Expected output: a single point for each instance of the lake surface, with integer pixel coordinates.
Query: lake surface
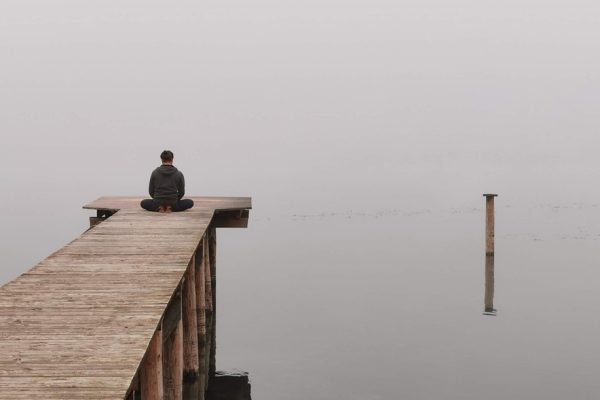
(388, 304)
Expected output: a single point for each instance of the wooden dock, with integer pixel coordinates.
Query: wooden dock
(122, 312)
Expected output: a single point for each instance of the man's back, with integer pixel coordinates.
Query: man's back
(167, 183)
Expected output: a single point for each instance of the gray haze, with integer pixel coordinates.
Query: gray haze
(395, 116)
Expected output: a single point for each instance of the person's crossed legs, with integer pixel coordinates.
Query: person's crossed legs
(176, 206)
(183, 204)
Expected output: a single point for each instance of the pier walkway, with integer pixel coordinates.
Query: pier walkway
(120, 312)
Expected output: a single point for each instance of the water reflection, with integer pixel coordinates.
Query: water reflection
(489, 286)
(228, 386)
(489, 254)
(212, 384)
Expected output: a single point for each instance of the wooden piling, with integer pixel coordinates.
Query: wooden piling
(205, 356)
(212, 255)
(172, 330)
(191, 366)
(203, 380)
(200, 288)
(151, 377)
(212, 258)
(173, 364)
(489, 224)
(207, 274)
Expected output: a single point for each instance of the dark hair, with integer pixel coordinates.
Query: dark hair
(166, 155)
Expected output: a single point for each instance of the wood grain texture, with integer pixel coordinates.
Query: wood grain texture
(151, 379)
(79, 324)
(207, 274)
(489, 225)
(190, 327)
(173, 364)
(212, 260)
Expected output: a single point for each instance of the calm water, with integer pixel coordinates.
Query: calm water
(385, 304)
(388, 304)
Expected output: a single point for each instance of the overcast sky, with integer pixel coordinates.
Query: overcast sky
(305, 105)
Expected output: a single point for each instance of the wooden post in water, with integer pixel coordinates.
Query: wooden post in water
(201, 318)
(151, 377)
(190, 334)
(212, 260)
(172, 331)
(207, 275)
(489, 224)
(210, 315)
(489, 254)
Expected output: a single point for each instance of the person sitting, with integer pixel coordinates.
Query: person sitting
(167, 187)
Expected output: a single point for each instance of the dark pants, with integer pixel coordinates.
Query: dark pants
(176, 205)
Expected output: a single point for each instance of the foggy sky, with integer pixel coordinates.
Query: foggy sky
(304, 105)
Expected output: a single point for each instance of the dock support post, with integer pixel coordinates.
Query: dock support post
(208, 306)
(151, 377)
(200, 288)
(207, 274)
(172, 328)
(489, 254)
(190, 331)
(212, 259)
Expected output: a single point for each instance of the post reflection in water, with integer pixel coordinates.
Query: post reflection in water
(219, 385)
(228, 386)
(489, 254)
(212, 384)
(489, 286)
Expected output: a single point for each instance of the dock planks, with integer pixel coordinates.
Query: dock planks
(77, 325)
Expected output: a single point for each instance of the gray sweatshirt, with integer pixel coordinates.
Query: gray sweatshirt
(167, 183)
